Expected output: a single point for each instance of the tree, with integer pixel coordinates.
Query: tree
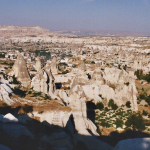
(100, 105)
(128, 103)
(111, 101)
(119, 123)
(112, 104)
(135, 121)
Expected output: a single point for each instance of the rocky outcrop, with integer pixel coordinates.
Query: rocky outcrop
(123, 85)
(51, 80)
(92, 143)
(134, 144)
(20, 71)
(112, 84)
(54, 66)
(11, 126)
(44, 80)
(38, 64)
(9, 118)
(5, 92)
(39, 82)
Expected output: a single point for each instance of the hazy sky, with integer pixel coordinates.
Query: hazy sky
(126, 15)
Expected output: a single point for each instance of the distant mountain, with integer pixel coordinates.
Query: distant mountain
(19, 31)
(102, 33)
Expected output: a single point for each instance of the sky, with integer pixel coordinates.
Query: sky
(118, 15)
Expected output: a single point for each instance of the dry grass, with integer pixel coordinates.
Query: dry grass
(106, 131)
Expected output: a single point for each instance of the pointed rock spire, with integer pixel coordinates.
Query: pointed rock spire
(20, 71)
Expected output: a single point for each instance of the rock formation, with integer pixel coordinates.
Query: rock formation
(44, 80)
(134, 144)
(38, 64)
(20, 71)
(51, 83)
(5, 92)
(54, 67)
(113, 84)
(39, 82)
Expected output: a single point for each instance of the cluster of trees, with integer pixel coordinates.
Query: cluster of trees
(134, 120)
(42, 53)
(145, 97)
(141, 76)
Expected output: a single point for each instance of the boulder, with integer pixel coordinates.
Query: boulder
(133, 144)
(9, 118)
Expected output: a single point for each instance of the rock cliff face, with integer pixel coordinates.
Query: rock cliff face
(20, 71)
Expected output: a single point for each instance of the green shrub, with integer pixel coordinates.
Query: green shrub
(100, 96)
(92, 62)
(36, 94)
(65, 72)
(4, 105)
(30, 92)
(119, 123)
(111, 101)
(105, 124)
(100, 105)
(14, 80)
(106, 109)
(46, 97)
(114, 106)
(142, 96)
(26, 108)
(127, 83)
(125, 67)
(128, 103)
(119, 113)
(145, 97)
(135, 121)
(140, 75)
(145, 113)
(119, 66)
